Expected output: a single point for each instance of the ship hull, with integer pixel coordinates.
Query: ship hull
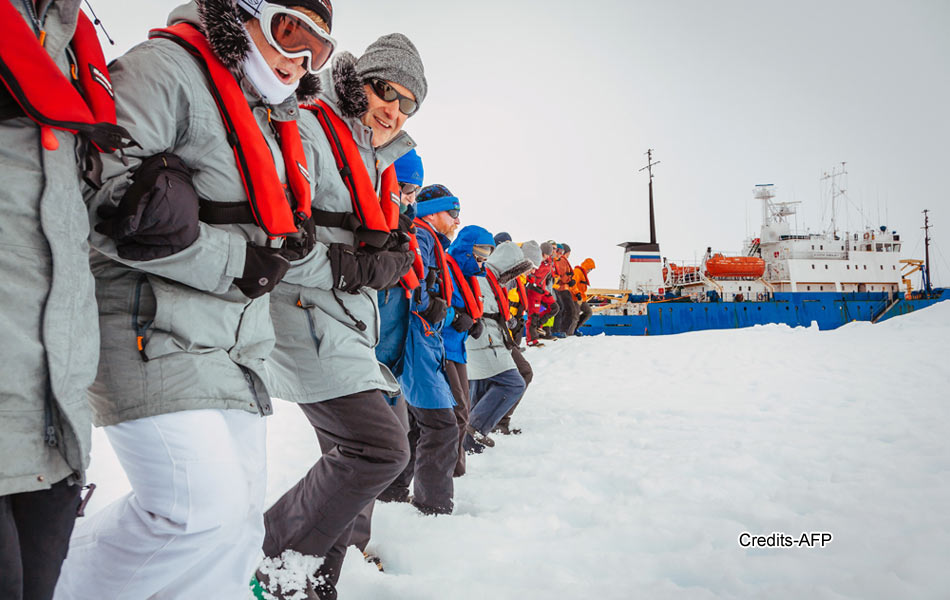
(829, 310)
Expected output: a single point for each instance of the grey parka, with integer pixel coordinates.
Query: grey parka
(204, 342)
(321, 353)
(50, 337)
(487, 355)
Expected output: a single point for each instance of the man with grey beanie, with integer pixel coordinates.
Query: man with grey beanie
(325, 311)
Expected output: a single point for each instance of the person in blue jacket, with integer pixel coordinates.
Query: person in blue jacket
(433, 433)
(470, 250)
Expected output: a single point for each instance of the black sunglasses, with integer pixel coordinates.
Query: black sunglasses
(409, 188)
(388, 93)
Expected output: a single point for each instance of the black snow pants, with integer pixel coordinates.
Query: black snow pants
(34, 537)
(457, 374)
(364, 448)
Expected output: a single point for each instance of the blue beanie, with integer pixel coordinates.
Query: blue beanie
(435, 198)
(502, 236)
(409, 168)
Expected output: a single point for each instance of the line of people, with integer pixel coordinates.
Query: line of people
(223, 216)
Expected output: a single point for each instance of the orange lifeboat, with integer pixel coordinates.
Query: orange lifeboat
(734, 266)
(678, 271)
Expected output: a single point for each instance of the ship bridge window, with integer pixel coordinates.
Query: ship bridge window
(813, 266)
(826, 267)
(865, 267)
(849, 267)
(822, 247)
(882, 267)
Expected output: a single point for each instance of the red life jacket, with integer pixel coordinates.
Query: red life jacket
(84, 106)
(522, 295)
(269, 206)
(374, 217)
(441, 258)
(501, 297)
(473, 302)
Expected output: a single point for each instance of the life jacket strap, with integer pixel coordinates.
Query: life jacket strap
(350, 222)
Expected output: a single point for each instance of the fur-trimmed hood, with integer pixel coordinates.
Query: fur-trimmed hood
(222, 25)
(507, 262)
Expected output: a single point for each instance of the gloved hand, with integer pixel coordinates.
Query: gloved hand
(476, 329)
(353, 268)
(578, 297)
(535, 287)
(572, 282)
(513, 324)
(263, 269)
(436, 310)
(298, 246)
(158, 215)
(462, 321)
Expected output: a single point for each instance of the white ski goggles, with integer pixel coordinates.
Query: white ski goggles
(294, 34)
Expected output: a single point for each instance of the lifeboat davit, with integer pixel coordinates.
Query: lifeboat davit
(734, 266)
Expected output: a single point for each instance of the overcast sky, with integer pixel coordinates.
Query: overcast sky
(539, 113)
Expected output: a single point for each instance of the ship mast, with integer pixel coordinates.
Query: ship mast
(926, 228)
(835, 192)
(649, 169)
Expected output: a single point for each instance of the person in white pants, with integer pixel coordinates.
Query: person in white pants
(188, 246)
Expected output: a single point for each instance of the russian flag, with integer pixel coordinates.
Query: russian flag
(645, 259)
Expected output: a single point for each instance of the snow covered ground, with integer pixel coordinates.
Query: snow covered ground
(643, 460)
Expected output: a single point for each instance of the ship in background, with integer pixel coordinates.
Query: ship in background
(781, 276)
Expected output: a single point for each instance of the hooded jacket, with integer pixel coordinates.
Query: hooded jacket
(562, 273)
(203, 342)
(322, 352)
(488, 356)
(461, 251)
(50, 343)
(423, 378)
(581, 281)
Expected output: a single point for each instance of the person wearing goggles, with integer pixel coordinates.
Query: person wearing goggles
(183, 406)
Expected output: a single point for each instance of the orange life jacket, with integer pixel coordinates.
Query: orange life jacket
(267, 198)
(473, 302)
(504, 308)
(374, 217)
(84, 105)
(441, 258)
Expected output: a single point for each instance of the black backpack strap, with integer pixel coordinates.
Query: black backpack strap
(349, 222)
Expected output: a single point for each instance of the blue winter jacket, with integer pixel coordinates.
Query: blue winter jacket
(393, 321)
(461, 251)
(423, 380)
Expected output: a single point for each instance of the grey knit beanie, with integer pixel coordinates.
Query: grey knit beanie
(394, 58)
(547, 248)
(532, 252)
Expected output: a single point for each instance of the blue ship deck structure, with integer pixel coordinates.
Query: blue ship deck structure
(829, 310)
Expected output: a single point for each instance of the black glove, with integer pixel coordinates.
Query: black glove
(578, 297)
(512, 324)
(436, 311)
(405, 223)
(431, 277)
(462, 321)
(300, 244)
(263, 269)
(158, 215)
(572, 282)
(354, 268)
(476, 329)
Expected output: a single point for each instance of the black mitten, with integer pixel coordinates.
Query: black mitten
(476, 329)
(462, 321)
(436, 310)
(263, 269)
(158, 215)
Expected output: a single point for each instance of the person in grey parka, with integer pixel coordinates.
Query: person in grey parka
(185, 319)
(326, 316)
(49, 351)
(494, 379)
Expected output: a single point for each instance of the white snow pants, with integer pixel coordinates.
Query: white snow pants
(192, 527)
